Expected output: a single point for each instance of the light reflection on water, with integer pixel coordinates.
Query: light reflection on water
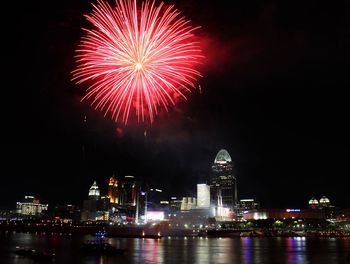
(244, 250)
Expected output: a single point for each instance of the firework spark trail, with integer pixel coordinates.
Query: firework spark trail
(136, 59)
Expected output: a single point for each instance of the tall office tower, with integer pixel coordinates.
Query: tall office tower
(223, 182)
(91, 205)
(203, 196)
(129, 191)
(113, 192)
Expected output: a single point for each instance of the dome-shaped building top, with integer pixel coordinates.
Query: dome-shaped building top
(222, 157)
(313, 203)
(324, 201)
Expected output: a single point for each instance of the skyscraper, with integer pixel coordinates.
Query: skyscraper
(223, 182)
(113, 190)
(93, 208)
(129, 191)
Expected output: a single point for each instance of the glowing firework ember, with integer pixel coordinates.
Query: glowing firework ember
(137, 60)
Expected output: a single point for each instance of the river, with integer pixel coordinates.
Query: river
(181, 250)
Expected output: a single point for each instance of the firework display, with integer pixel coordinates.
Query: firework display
(137, 59)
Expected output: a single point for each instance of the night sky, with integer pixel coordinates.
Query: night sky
(274, 94)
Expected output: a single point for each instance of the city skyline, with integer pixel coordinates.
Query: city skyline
(273, 95)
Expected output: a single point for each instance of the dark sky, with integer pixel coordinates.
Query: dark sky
(274, 94)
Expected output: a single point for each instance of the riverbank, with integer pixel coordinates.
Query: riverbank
(272, 233)
(156, 231)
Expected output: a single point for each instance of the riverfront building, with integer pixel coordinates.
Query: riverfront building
(31, 206)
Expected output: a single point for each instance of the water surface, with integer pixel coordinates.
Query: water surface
(183, 250)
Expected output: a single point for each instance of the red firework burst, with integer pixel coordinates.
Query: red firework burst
(137, 59)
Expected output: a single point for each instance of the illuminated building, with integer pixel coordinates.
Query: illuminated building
(188, 203)
(324, 202)
(203, 196)
(323, 205)
(175, 204)
(113, 190)
(313, 203)
(248, 204)
(30, 207)
(328, 210)
(198, 217)
(129, 196)
(95, 207)
(155, 215)
(103, 209)
(223, 182)
(94, 192)
(129, 191)
(289, 213)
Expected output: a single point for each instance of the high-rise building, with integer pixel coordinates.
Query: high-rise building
(129, 191)
(203, 195)
(129, 196)
(95, 207)
(113, 192)
(223, 181)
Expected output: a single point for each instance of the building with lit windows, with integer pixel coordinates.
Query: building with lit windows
(188, 203)
(289, 213)
(175, 204)
(129, 198)
(223, 181)
(248, 204)
(324, 202)
(129, 191)
(94, 192)
(113, 193)
(313, 203)
(203, 195)
(31, 206)
(95, 208)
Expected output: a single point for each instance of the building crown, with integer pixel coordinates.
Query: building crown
(222, 157)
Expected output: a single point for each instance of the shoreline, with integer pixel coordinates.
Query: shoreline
(156, 233)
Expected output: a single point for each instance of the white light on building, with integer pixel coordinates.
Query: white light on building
(203, 196)
(223, 211)
(260, 215)
(94, 190)
(188, 203)
(31, 206)
(155, 215)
